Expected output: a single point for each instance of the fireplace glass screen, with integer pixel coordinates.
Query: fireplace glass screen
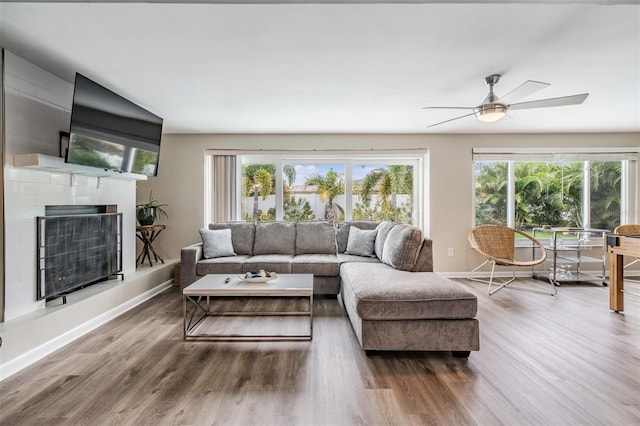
(76, 251)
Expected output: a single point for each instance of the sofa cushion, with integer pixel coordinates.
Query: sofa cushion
(316, 264)
(279, 263)
(383, 293)
(383, 229)
(402, 246)
(361, 242)
(275, 238)
(216, 243)
(315, 238)
(242, 234)
(221, 265)
(342, 234)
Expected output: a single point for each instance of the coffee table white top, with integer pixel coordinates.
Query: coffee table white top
(284, 285)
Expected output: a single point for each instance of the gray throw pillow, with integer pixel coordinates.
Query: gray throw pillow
(342, 233)
(402, 246)
(216, 243)
(383, 231)
(361, 242)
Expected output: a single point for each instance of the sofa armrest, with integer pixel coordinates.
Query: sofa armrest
(189, 257)
(424, 262)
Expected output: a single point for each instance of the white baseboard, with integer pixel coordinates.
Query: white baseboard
(498, 274)
(13, 366)
(521, 274)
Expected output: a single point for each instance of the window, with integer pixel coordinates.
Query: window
(605, 187)
(298, 188)
(491, 192)
(569, 189)
(258, 192)
(317, 191)
(383, 192)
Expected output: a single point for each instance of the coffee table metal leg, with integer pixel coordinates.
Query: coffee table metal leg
(311, 317)
(190, 323)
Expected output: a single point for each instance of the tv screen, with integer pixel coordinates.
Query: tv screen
(110, 132)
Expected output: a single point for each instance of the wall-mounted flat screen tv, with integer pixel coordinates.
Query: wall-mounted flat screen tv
(110, 132)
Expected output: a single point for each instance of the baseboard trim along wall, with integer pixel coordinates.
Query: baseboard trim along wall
(54, 330)
(524, 273)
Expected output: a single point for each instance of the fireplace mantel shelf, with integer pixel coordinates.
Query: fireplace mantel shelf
(57, 165)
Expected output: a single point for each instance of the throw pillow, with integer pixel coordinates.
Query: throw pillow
(383, 231)
(361, 242)
(342, 233)
(402, 246)
(216, 243)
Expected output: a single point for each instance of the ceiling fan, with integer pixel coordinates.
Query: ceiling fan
(493, 108)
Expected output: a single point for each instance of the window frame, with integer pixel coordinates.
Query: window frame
(630, 158)
(418, 159)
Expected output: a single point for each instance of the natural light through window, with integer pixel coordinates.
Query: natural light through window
(302, 188)
(562, 192)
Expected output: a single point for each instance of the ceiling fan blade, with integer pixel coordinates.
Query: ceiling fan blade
(451, 119)
(551, 102)
(436, 107)
(525, 89)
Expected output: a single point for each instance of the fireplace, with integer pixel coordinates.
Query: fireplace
(77, 245)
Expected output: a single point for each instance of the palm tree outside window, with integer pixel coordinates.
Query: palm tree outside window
(331, 190)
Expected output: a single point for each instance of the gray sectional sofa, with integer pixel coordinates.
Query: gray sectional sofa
(382, 272)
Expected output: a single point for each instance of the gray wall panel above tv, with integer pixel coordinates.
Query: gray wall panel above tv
(37, 108)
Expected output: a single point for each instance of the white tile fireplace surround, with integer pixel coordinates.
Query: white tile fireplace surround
(27, 193)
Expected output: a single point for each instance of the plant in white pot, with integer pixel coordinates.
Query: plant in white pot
(148, 212)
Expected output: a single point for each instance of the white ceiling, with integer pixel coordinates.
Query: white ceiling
(342, 68)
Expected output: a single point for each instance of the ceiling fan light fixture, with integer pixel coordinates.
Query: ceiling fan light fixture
(489, 113)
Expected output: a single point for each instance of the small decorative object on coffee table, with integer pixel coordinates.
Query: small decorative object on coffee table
(198, 295)
(260, 276)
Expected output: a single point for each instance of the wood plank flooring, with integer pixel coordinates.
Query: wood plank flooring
(564, 360)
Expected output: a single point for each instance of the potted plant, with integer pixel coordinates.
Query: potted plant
(147, 213)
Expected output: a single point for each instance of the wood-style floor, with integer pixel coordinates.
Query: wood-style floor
(564, 360)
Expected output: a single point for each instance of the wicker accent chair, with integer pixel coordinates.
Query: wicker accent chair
(629, 229)
(497, 244)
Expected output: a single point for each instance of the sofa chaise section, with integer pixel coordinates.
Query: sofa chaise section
(391, 309)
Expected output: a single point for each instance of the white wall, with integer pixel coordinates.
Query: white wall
(27, 193)
(180, 182)
(37, 108)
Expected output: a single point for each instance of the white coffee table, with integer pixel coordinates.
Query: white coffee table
(198, 295)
